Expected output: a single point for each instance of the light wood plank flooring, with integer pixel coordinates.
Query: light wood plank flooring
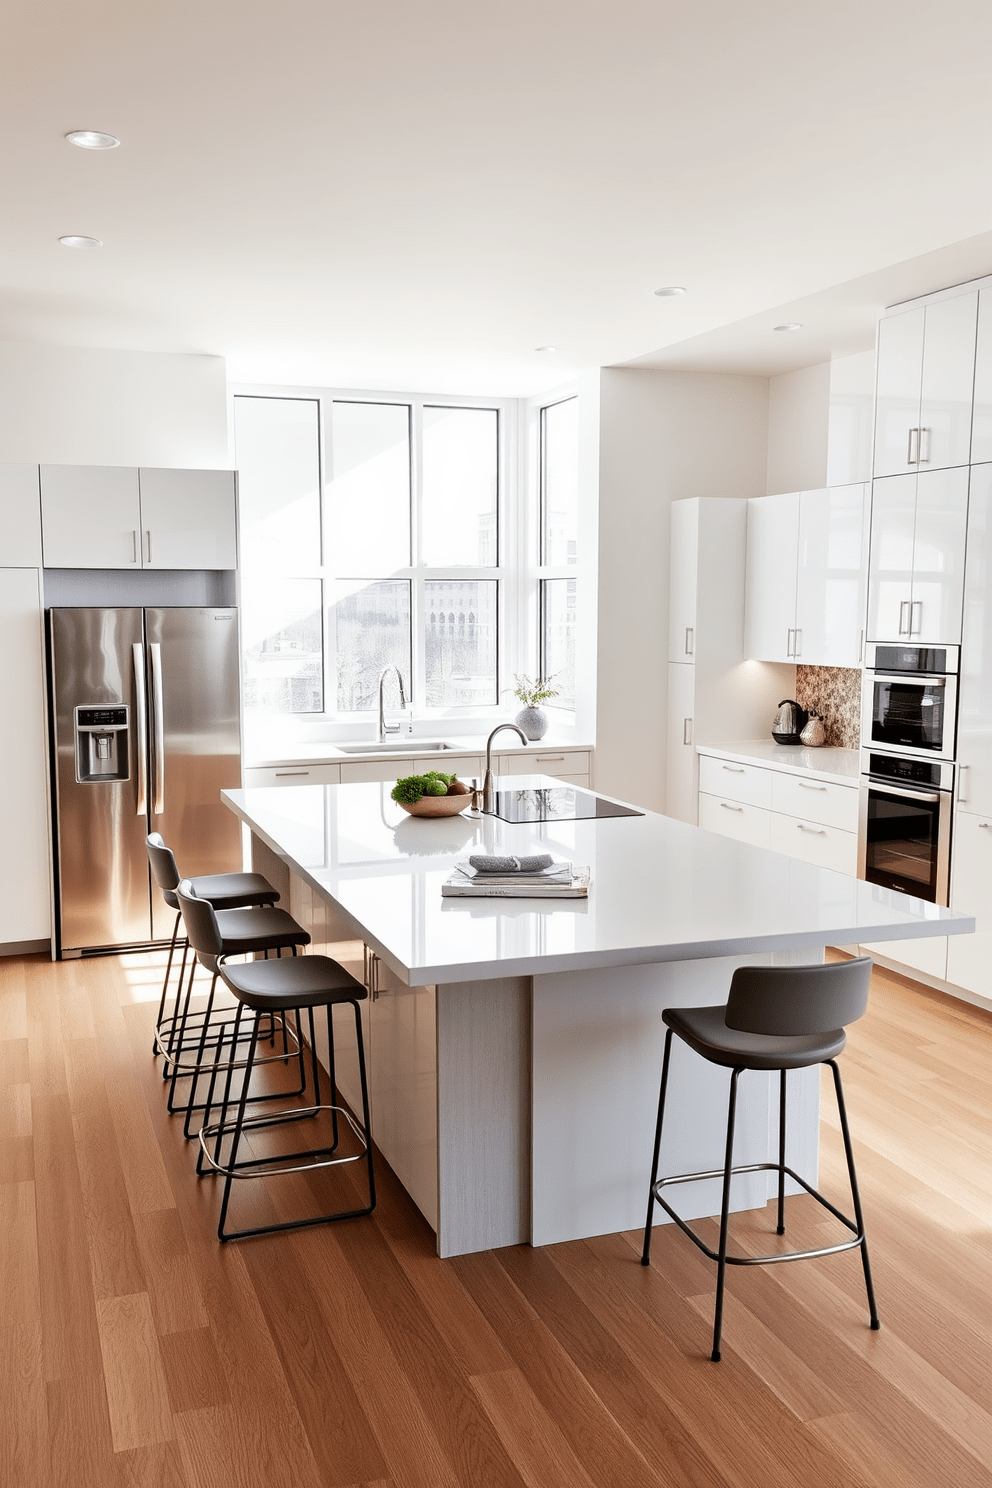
(136, 1351)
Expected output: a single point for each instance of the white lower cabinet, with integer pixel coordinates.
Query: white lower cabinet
(737, 819)
(813, 842)
(794, 814)
(969, 957)
(25, 912)
(293, 775)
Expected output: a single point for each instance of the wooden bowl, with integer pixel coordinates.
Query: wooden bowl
(437, 805)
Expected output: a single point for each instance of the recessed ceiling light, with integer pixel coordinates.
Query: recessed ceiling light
(545, 348)
(76, 240)
(92, 139)
(667, 290)
(790, 325)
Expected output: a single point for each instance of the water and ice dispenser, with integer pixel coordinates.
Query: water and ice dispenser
(101, 744)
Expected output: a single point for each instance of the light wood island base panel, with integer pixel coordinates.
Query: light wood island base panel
(136, 1352)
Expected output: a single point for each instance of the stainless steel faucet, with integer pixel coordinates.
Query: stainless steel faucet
(488, 790)
(392, 728)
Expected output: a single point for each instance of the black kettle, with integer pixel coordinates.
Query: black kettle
(790, 720)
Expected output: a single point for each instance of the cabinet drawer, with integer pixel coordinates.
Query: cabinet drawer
(827, 847)
(293, 775)
(735, 819)
(747, 783)
(544, 762)
(380, 769)
(462, 765)
(816, 800)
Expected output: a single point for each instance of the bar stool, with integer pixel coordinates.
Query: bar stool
(248, 931)
(224, 890)
(776, 1018)
(263, 988)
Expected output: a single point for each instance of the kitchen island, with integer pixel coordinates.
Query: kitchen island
(515, 1045)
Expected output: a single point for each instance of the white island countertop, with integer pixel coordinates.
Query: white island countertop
(840, 766)
(660, 890)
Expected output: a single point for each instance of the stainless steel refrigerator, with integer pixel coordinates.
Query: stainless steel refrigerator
(145, 710)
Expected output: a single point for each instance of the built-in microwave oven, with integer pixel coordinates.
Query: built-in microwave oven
(909, 700)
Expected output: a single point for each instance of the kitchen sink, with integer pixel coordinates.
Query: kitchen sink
(397, 746)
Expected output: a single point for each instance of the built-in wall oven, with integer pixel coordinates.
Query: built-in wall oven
(908, 728)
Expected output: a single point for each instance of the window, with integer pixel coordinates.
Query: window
(559, 525)
(396, 563)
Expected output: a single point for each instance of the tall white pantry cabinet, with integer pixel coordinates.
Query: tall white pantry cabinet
(714, 694)
(25, 905)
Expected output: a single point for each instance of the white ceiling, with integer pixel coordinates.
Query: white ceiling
(397, 194)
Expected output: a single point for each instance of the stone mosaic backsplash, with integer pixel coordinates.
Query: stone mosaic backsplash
(834, 693)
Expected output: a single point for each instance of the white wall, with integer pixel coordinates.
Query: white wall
(798, 415)
(75, 406)
(663, 436)
(851, 419)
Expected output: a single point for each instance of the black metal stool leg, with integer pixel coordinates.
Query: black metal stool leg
(366, 1113)
(780, 1228)
(238, 1125)
(855, 1193)
(165, 984)
(646, 1252)
(721, 1273)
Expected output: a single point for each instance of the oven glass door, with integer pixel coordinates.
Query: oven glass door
(905, 839)
(912, 713)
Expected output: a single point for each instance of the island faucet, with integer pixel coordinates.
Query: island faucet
(391, 728)
(488, 790)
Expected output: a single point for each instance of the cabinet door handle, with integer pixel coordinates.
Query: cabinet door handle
(734, 769)
(687, 731)
(727, 806)
(134, 546)
(912, 458)
(148, 547)
(903, 607)
(797, 644)
(280, 774)
(550, 759)
(816, 831)
(689, 640)
(916, 605)
(962, 793)
(987, 825)
(805, 785)
(924, 459)
(788, 643)
(861, 648)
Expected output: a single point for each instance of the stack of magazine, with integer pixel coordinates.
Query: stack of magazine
(557, 881)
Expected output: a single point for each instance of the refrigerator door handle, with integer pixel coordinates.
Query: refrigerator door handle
(158, 732)
(141, 727)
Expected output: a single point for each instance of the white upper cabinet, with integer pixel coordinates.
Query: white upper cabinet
(981, 428)
(830, 581)
(805, 584)
(975, 683)
(916, 563)
(20, 517)
(91, 516)
(926, 378)
(683, 589)
(188, 518)
(113, 516)
(770, 582)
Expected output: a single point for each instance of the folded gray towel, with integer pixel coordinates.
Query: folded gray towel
(487, 863)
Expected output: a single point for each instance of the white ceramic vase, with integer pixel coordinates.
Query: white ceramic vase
(533, 721)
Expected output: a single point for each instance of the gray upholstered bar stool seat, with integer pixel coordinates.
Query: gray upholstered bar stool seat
(224, 891)
(776, 1018)
(264, 988)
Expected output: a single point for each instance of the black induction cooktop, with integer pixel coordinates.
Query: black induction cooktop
(556, 803)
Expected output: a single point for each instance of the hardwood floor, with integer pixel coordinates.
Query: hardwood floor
(136, 1352)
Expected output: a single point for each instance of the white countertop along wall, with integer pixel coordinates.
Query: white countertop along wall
(323, 752)
(840, 766)
(661, 890)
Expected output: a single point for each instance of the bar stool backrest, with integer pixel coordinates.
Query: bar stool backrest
(787, 1001)
(163, 866)
(200, 919)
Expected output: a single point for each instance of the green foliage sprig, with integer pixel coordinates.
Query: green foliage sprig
(532, 691)
(412, 788)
